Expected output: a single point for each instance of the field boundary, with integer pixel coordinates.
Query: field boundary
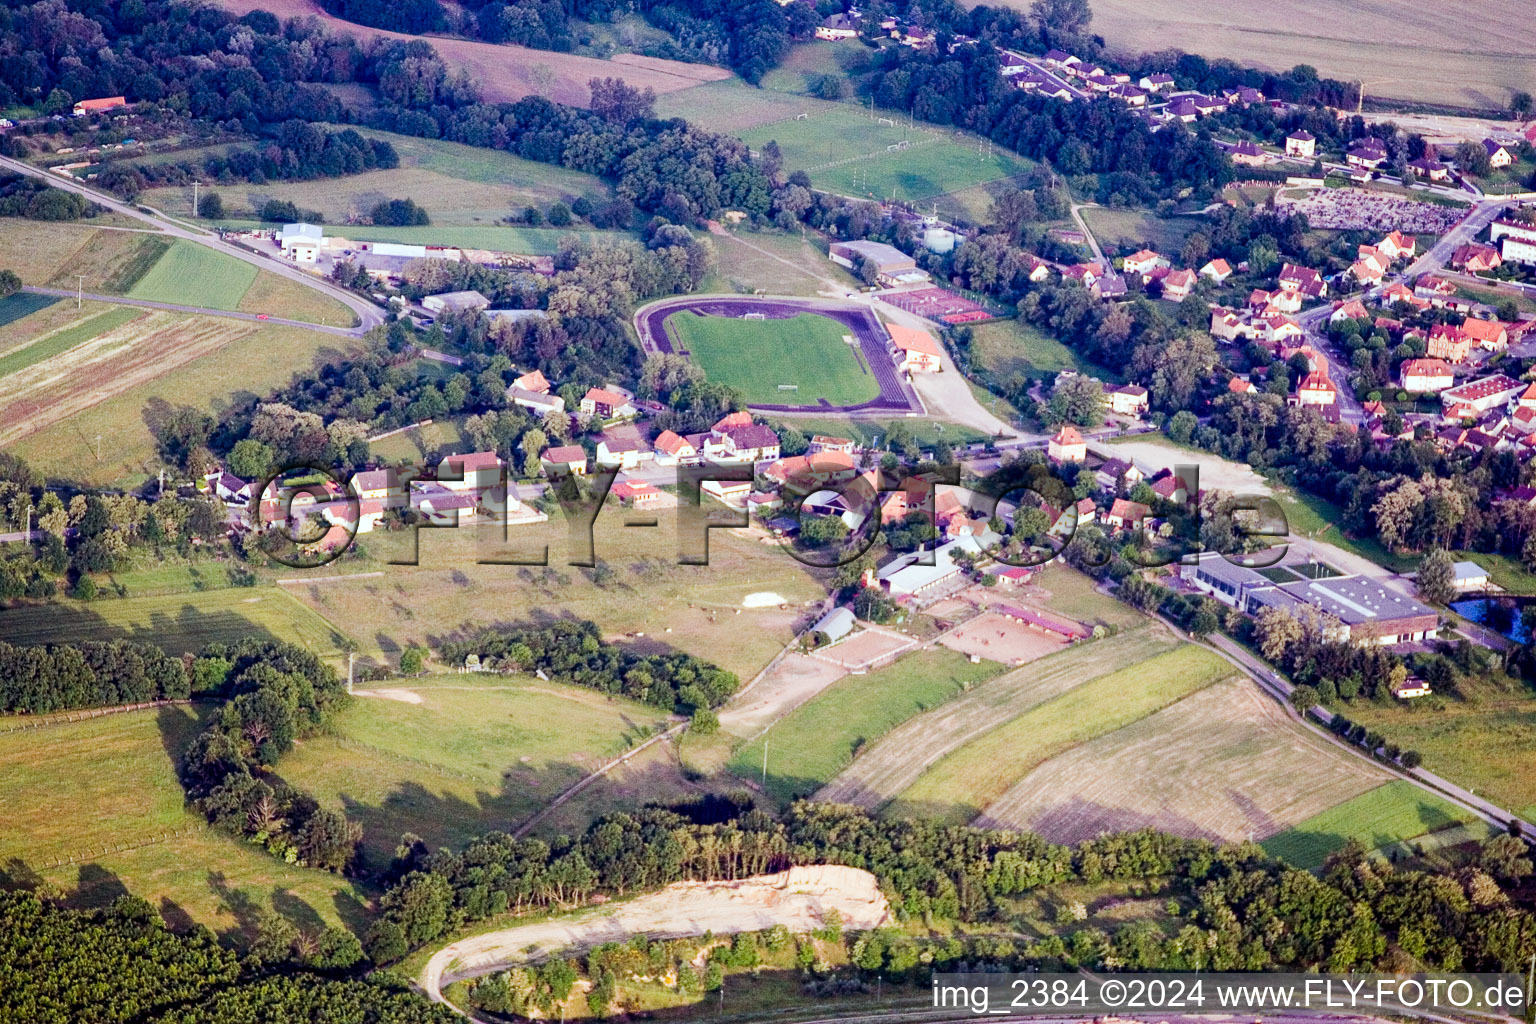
(65, 718)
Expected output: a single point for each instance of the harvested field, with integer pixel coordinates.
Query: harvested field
(1225, 763)
(896, 762)
(972, 777)
(1472, 61)
(51, 253)
(794, 680)
(53, 343)
(996, 637)
(116, 361)
(864, 648)
(507, 73)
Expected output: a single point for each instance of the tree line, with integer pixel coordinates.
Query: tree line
(37, 680)
(1250, 911)
(574, 652)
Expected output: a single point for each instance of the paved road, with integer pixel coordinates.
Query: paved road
(1093, 243)
(66, 293)
(1438, 255)
(367, 313)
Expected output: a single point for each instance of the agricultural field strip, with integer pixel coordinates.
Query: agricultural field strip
(1223, 763)
(1380, 817)
(62, 339)
(958, 787)
(898, 759)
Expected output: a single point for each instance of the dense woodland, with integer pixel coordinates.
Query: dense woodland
(297, 151)
(121, 964)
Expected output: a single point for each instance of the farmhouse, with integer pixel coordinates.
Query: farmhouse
(1301, 145)
(455, 302)
(1425, 375)
(892, 266)
(301, 242)
(915, 351)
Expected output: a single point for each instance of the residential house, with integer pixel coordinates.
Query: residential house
(1426, 375)
(229, 488)
(541, 403)
(1278, 301)
(1126, 399)
(1316, 390)
(1430, 169)
(1159, 82)
(1476, 259)
(1301, 145)
(476, 471)
(824, 443)
(1247, 154)
(607, 405)
(915, 350)
(1183, 111)
(838, 26)
(1498, 154)
(1067, 445)
(1113, 472)
(622, 453)
(751, 442)
(637, 494)
(672, 449)
(1217, 270)
(1398, 245)
(565, 459)
(1411, 687)
(1366, 272)
(1241, 386)
(1144, 261)
(1125, 514)
(1354, 309)
(99, 106)
(1490, 335)
(1448, 342)
(1129, 94)
(1303, 280)
(1178, 284)
(534, 381)
(1367, 154)
(383, 485)
(1518, 241)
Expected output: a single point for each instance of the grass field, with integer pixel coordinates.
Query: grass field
(757, 356)
(892, 765)
(818, 739)
(195, 275)
(846, 151)
(733, 106)
(73, 789)
(176, 623)
(478, 753)
(52, 344)
(21, 305)
(500, 238)
(1006, 347)
(965, 782)
(456, 184)
(866, 431)
(255, 361)
(1075, 595)
(778, 264)
(455, 589)
(1387, 814)
(1127, 231)
(1464, 61)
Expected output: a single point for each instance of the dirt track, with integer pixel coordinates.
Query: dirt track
(506, 73)
(896, 761)
(797, 898)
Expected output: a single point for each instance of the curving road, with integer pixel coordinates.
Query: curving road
(368, 315)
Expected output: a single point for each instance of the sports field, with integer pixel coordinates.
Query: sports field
(796, 361)
(1385, 815)
(847, 151)
(195, 275)
(451, 756)
(178, 623)
(1473, 61)
(965, 782)
(818, 739)
(73, 789)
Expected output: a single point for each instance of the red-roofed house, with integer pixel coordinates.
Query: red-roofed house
(1217, 270)
(607, 405)
(672, 449)
(1487, 334)
(916, 351)
(1427, 375)
(1449, 343)
(1316, 389)
(533, 381)
(570, 458)
(1178, 284)
(1125, 513)
(1398, 245)
(1476, 259)
(1067, 445)
(1143, 261)
(98, 106)
(637, 493)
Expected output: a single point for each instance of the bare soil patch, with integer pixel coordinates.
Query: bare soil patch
(996, 637)
(1225, 763)
(403, 696)
(794, 680)
(798, 898)
(864, 648)
(117, 361)
(506, 73)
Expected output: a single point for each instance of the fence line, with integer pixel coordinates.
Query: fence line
(64, 718)
(106, 848)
